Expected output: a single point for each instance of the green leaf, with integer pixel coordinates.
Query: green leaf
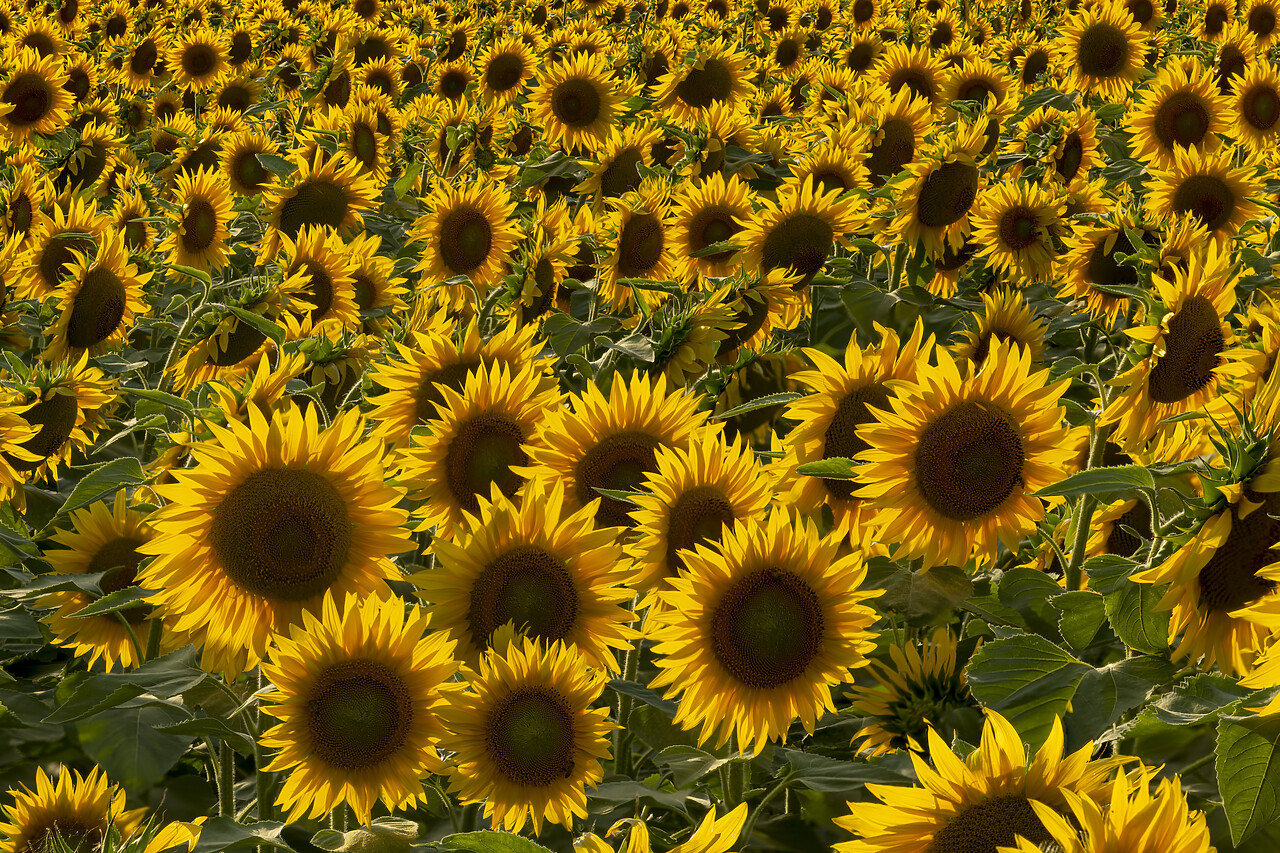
(1103, 482)
(211, 727)
(164, 677)
(165, 398)
(631, 791)
(1198, 698)
(191, 272)
(104, 480)
(1108, 693)
(275, 164)
(224, 833)
(122, 599)
(635, 346)
(759, 403)
(645, 695)
(688, 764)
(126, 744)
(1028, 679)
(1131, 607)
(17, 623)
(927, 595)
(835, 468)
(405, 181)
(833, 776)
(274, 331)
(716, 249)
(1248, 768)
(487, 841)
(1083, 615)
(1028, 593)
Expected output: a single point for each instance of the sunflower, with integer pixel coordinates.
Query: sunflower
(81, 810)
(1015, 223)
(693, 498)
(506, 66)
(328, 193)
(1255, 107)
(1092, 261)
(98, 302)
(103, 539)
(1206, 185)
(834, 164)
(617, 171)
(1223, 579)
(272, 515)
(843, 399)
(231, 348)
(1103, 48)
(143, 65)
(897, 132)
(752, 635)
(920, 686)
(200, 234)
(377, 288)
(469, 231)
(611, 442)
(914, 69)
(537, 566)
(24, 201)
(800, 230)
(527, 740)
(1178, 109)
(67, 403)
(34, 98)
(718, 74)
(1190, 359)
(359, 695)
(241, 165)
(982, 803)
(637, 238)
(93, 156)
(198, 59)
(51, 248)
(1005, 316)
(482, 432)
(941, 188)
(953, 464)
(577, 103)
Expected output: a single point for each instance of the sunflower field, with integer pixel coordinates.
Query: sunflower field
(639, 426)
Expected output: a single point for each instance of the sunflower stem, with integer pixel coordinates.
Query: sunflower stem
(1084, 512)
(899, 264)
(226, 781)
(262, 778)
(154, 633)
(745, 839)
(622, 737)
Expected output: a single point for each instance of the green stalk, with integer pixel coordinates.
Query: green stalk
(781, 786)
(1084, 512)
(622, 737)
(262, 777)
(226, 781)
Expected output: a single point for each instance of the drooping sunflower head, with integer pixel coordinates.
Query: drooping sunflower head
(527, 741)
(358, 692)
(78, 809)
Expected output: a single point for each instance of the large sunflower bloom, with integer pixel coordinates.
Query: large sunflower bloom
(538, 565)
(272, 515)
(98, 303)
(469, 231)
(953, 465)
(578, 103)
(1103, 47)
(526, 740)
(1206, 186)
(753, 635)
(982, 803)
(358, 693)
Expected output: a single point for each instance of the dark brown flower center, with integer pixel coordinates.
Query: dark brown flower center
(1261, 107)
(1182, 119)
(1192, 350)
(1229, 580)
(525, 586)
(767, 628)
(1019, 228)
(800, 241)
(576, 102)
(841, 438)
(482, 453)
(947, 194)
(969, 460)
(990, 825)
(617, 462)
(1123, 542)
(702, 87)
(55, 418)
(316, 201)
(428, 398)
(199, 225)
(466, 238)
(358, 714)
(1103, 50)
(895, 150)
(198, 60)
(31, 97)
(98, 310)
(504, 71)
(530, 737)
(699, 515)
(283, 533)
(119, 559)
(621, 174)
(640, 245)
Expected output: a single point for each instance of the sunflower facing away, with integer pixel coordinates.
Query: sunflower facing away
(538, 565)
(953, 462)
(753, 634)
(977, 805)
(526, 740)
(272, 515)
(358, 694)
(78, 808)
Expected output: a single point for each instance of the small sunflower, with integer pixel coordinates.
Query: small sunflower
(98, 302)
(953, 463)
(506, 66)
(1206, 185)
(50, 250)
(319, 288)
(33, 98)
(79, 809)
(200, 235)
(1255, 107)
(481, 434)
(328, 193)
(1103, 48)
(914, 69)
(611, 442)
(898, 129)
(198, 59)
(359, 694)
(638, 238)
(538, 565)
(231, 348)
(982, 803)
(1180, 108)
(800, 230)
(1015, 222)
(271, 517)
(469, 231)
(754, 633)
(1092, 262)
(1006, 316)
(941, 189)
(526, 738)
(241, 165)
(577, 103)
(717, 75)
(103, 539)
(917, 688)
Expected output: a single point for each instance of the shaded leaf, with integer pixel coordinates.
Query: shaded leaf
(1248, 766)
(1028, 679)
(1103, 482)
